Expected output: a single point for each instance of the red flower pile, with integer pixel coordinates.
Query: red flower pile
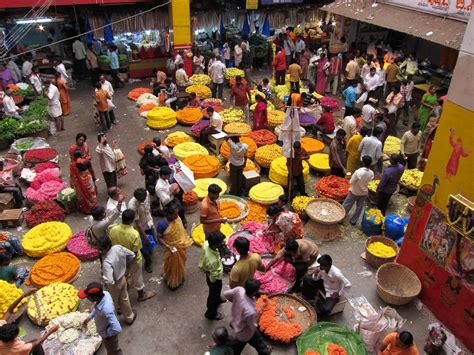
(44, 211)
(331, 102)
(334, 187)
(43, 166)
(40, 155)
(263, 137)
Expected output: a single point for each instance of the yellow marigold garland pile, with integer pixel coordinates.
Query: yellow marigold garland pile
(54, 268)
(201, 91)
(299, 203)
(249, 165)
(187, 149)
(257, 213)
(8, 294)
(279, 171)
(161, 117)
(230, 115)
(229, 209)
(319, 161)
(264, 155)
(237, 128)
(275, 118)
(46, 238)
(199, 237)
(203, 184)
(176, 138)
(311, 145)
(200, 79)
(266, 192)
(233, 72)
(203, 166)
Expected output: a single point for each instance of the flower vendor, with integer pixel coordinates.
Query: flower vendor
(107, 160)
(325, 123)
(389, 182)
(9, 106)
(245, 316)
(302, 253)
(247, 264)
(83, 147)
(171, 91)
(260, 113)
(172, 234)
(352, 149)
(11, 273)
(114, 266)
(337, 154)
(167, 193)
(194, 101)
(237, 159)
(209, 214)
(9, 185)
(124, 234)
(210, 262)
(140, 204)
(10, 343)
(215, 126)
(102, 98)
(84, 185)
(398, 343)
(64, 97)
(326, 283)
(105, 316)
(10, 244)
(359, 189)
(296, 166)
(284, 224)
(182, 79)
(217, 71)
(240, 92)
(410, 145)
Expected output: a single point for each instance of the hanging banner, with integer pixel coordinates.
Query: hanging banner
(251, 4)
(456, 9)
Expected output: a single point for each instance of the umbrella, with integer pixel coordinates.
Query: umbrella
(90, 34)
(108, 34)
(266, 26)
(221, 27)
(246, 26)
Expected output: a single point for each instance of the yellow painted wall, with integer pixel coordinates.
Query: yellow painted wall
(181, 22)
(461, 122)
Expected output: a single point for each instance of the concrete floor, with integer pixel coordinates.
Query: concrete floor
(173, 322)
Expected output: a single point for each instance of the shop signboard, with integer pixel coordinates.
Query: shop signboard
(251, 4)
(456, 9)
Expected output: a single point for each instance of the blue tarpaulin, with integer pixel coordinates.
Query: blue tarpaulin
(266, 26)
(90, 34)
(246, 26)
(221, 27)
(108, 34)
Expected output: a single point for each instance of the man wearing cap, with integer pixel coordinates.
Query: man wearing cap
(125, 235)
(106, 321)
(9, 106)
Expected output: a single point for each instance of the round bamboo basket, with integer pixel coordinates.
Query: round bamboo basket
(325, 211)
(396, 284)
(377, 261)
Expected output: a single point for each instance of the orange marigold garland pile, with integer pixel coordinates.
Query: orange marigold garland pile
(203, 166)
(54, 268)
(252, 146)
(257, 213)
(190, 198)
(146, 107)
(335, 349)
(134, 94)
(311, 145)
(141, 146)
(334, 187)
(229, 209)
(272, 326)
(189, 115)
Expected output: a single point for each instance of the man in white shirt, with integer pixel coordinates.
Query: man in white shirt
(79, 58)
(372, 146)
(217, 73)
(54, 108)
(9, 106)
(108, 87)
(237, 161)
(159, 149)
(350, 126)
(107, 160)
(36, 83)
(16, 73)
(238, 54)
(359, 189)
(164, 190)
(368, 113)
(27, 66)
(371, 82)
(182, 79)
(116, 204)
(327, 284)
(410, 145)
(178, 59)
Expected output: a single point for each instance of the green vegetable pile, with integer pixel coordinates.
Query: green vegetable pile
(8, 128)
(24, 145)
(29, 126)
(38, 109)
(28, 92)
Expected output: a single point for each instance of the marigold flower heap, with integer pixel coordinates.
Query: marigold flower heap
(237, 128)
(263, 137)
(249, 165)
(8, 294)
(270, 106)
(189, 115)
(203, 184)
(381, 250)
(412, 178)
(279, 171)
(161, 117)
(373, 185)
(54, 268)
(175, 138)
(141, 146)
(391, 145)
(272, 325)
(333, 187)
(134, 94)
(266, 192)
(200, 79)
(199, 237)
(147, 107)
(311, 145)
(374, 215)
(252, 147)
(230, 115)
(203, 165)
(202, 91)
(46, 238)
(266, 154)
(257, 213)
(299, 203)
(229, 209)
(190, 198)
(319, 161)
(233, 72)
(187, 149)
(44, 211)
(275, 118)
(53, 301)
(79, 246)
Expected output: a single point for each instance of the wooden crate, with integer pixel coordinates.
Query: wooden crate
(11, 218)
(6, 201)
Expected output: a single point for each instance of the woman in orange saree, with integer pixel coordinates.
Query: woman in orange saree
(81, 179)
(172, 234)
(64, 98)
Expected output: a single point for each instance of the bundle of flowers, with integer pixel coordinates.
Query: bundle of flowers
(40, 155)
(275, 118)
(187, 149)
(44, 211)
(299, 203)
(45, 176)
(373, 185)
(259, 242)
(189, 115)
(334, 187)
(173, 139)
(249, 165)
(266, 192)
(251, 145)
(199, 237)
(257, 213)
(44, 166)
(229, 209)
(270, 106)
(319, 161)
(9, 294)
(52, 301)
(202, 91)
(200, 79)
(233, 72)
(147, 107)
(203, 184)
(332, 102)
(237, 128)
(190, 198)
(306, 120)
(46, 238)
(279, 171)
(79, 246)
(141, 146)
(57, 267)
(412, 178)
(278, 279)
(263, 137)
(47, 190)
(391, 145)
(212, 103)
(232, 114)
(374, 215)
(199, 126)
(381, 250)
(147, 99)
(72, 336)
(161, 117)
(134, 94)
(264, 155)
(311, 145)
(203, 165)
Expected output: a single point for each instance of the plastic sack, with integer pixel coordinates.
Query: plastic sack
(319, 335)
(148, 247)
(23, 144)
(184, 177)
(395, 227)
(369, 226)
(375, 327)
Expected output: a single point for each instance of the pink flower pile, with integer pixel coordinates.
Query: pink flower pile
(260, 242)
(79, 246)
(199, 126)
(278, 279)
(45, 186)
(331, 102)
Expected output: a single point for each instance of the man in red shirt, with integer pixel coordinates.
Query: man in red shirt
(325, 123)
(241, 94)
(280, 66)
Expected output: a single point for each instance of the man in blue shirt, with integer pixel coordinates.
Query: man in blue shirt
(106, 321)
(349, 95)
(114, 66)
(389, 181)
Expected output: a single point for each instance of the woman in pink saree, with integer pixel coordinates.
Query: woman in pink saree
(458, 152)
(260, 118)
(323, 73)
(304, 63)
